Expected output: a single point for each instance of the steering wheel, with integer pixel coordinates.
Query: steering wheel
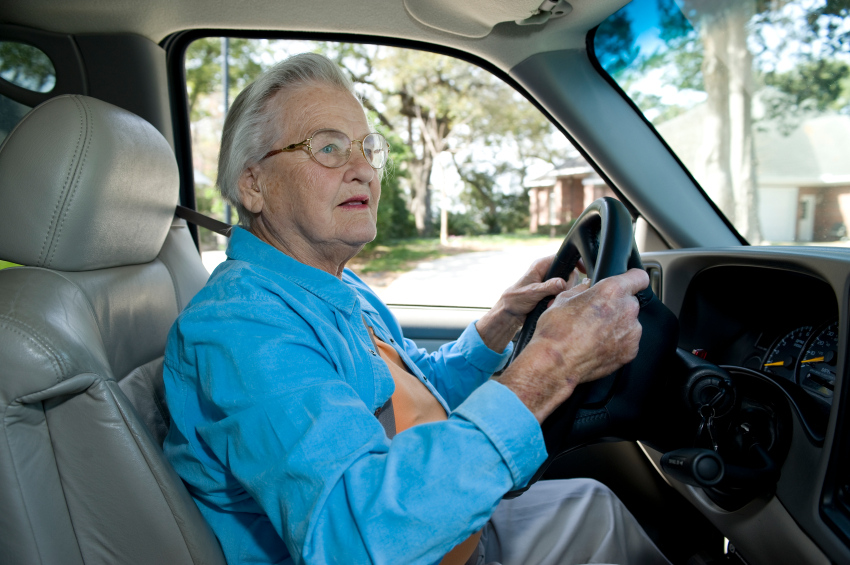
(620, 405)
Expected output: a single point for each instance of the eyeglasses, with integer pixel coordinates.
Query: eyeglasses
(332, 148)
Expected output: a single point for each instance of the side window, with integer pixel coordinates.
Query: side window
(480, 182)
(26, 67)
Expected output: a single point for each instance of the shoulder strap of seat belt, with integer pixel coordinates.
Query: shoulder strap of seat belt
(199, 219)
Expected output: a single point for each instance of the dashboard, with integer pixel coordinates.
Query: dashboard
(774, 321)
(780, 322)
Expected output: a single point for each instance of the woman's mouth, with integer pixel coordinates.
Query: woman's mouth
(357, 202)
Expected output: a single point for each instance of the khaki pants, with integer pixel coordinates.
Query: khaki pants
(565, 522)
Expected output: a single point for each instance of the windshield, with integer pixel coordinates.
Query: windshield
(753, 96)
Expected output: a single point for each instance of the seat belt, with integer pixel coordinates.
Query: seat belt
(194, 217)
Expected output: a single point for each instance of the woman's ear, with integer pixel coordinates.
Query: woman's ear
(249, 191)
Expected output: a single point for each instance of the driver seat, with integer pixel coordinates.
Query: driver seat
(88, 193)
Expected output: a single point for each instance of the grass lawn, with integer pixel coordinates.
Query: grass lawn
(403, 255)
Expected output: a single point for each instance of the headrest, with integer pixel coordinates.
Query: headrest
(85, 185)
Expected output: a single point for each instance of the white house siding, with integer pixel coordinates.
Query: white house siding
(778, 212)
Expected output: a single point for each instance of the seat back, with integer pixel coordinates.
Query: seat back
(87, 193)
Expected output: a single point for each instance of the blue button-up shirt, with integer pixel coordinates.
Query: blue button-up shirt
(273, 383)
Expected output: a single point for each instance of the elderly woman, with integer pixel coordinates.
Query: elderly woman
(309, 430)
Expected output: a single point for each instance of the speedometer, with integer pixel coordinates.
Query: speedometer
(783, 356)
(816, 372)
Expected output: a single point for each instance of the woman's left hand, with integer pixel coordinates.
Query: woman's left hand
(499, 325)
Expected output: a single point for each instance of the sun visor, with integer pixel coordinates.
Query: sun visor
(470, 18)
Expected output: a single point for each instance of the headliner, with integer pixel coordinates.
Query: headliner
(482, 27)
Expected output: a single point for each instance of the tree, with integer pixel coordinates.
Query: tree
(204, 68)
(728, 142)
(728, 50)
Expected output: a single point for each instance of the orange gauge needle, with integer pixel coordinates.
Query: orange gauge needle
(775, 364)
(812, 360)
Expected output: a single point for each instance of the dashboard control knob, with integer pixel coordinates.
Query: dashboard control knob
(694, 466)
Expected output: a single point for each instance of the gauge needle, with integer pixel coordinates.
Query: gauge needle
(776, 364)
(812, 360)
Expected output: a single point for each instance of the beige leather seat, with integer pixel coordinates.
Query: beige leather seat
(87, 197)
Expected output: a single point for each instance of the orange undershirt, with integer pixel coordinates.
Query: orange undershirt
(414, 404)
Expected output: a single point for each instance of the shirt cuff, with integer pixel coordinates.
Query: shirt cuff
(477, 354)
(509, 425)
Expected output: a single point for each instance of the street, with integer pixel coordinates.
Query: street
(467, 279)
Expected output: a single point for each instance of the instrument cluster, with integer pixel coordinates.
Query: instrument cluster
(806, 355)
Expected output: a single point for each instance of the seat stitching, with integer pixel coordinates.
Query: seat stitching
(41, 255)
(54, 357)
(76, 182)
(88, 303)
(165, 498)
(20, 486)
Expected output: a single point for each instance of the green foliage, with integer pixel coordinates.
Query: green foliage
(614, 42)
(812, 85)
(679, 57)
(513, 212)
(394, 219)
(204, 68)
(826, 22)
(398, 255)
(465, 223)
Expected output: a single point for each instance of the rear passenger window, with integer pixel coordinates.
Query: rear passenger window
(27, 67)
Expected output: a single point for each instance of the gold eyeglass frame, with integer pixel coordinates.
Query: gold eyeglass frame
(306, 145)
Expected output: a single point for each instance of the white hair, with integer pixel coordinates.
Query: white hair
(250, 126)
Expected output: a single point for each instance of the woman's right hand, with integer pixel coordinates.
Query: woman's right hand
(587, 333)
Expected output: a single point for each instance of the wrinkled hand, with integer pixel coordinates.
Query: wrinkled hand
(585, 334)
(499, 325)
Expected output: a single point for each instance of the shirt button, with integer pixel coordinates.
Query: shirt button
(392, 340)
(372, 351)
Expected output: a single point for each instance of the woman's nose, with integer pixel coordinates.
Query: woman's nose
(359, 168)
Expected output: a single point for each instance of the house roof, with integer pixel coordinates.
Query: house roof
(573, 165)
(812, 154)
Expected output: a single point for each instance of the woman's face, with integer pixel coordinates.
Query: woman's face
(319, 216)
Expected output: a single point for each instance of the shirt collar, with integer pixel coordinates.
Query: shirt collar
(245, 246)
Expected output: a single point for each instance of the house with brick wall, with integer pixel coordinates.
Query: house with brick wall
(803, 176)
